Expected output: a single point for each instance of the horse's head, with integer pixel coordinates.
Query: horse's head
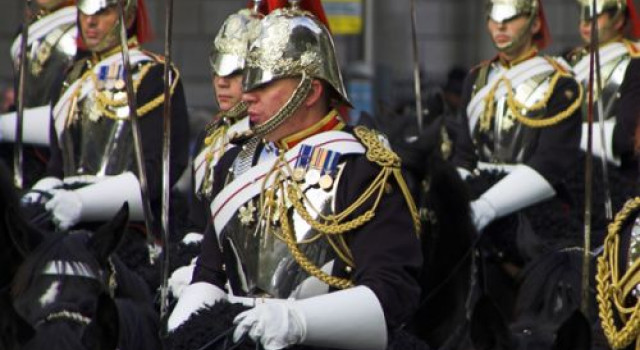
(65, 275)
(490, 331)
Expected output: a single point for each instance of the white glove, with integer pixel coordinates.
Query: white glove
(35, 128)
(482, 213)
(274, 325)
(522, 188)
(180, 279)
(348, 319)
(192, 238)
(43, 185)
(66, 208)
(194, 297)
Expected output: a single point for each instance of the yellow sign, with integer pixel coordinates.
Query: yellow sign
(345, 16)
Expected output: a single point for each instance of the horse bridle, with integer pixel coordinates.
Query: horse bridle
(81, 269)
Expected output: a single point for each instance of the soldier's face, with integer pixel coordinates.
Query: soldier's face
(228, 90)
(608, 28)
(95, 28)
(514, 36)
(265, 101)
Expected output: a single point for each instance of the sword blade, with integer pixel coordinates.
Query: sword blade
(417, 81)
(135, 128)
(18, 151)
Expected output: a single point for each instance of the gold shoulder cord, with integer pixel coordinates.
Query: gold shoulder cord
(516, 107)
(613, 290)
(333, 227)
(103, 101)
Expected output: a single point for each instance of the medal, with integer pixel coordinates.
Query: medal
(325, 182)
(312, 177)
(119, 85)
(299, 174)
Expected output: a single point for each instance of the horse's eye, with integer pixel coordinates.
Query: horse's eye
(526, 331)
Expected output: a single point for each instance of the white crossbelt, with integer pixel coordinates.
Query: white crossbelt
(516, 75)
(251, 183)
(608, 53)
(44, 26)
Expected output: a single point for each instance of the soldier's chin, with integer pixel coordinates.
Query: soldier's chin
(504, 46)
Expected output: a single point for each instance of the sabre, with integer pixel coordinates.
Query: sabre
(18, 156)
(416, 66)
(588, 174)
(135, 128)
(608, 206)
(166, 157)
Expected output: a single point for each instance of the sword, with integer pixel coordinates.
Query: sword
(166, 157)
(588, 175)
(18, 157)
(608, 206)
(135, 128)
(416, 65)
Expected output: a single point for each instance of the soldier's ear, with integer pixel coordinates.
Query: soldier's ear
(316, 94)
(536, 26)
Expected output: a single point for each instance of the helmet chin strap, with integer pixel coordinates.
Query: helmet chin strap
(295, 101)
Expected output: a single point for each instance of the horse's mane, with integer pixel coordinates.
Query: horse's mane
(550, 287)
(60, 335)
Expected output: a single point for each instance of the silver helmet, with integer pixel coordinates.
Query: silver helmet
(587, 11)
(91, 7)
(505, 10)
(292, 42)
(230, 46)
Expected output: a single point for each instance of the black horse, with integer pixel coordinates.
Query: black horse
(60, 291)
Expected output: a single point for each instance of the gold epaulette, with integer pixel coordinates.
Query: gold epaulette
(614, 291)
(378, 151)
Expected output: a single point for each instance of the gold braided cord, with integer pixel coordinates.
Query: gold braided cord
(515, 106)
(102, 102)
(303, 261)
(609, 286)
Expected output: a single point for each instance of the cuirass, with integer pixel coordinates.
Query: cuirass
(96, 145)
(258, 262)
(47, 58)
(507, 139)
(613, 74)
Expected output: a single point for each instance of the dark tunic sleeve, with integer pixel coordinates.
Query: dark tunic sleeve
(198, 208)
(627, 114)
(464, 154)
(209, 266)
(556, 147)
(386, 250)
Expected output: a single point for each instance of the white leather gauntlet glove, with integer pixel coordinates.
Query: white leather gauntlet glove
(348, 319)
(43, 185)
(523, 187)
(65, 206)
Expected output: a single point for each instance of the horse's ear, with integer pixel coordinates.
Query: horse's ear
(574, 333)
(24, 237)
(107, 238)
(488, 327)
(102, 333)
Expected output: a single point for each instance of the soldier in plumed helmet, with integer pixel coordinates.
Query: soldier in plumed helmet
(92, 170)
(320, 241)
(522, 111)
(51, 49)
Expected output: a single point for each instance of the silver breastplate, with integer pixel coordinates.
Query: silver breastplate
(47, 58)
(261, 260)
(613, 74)
(96, 145)
(506, 140)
